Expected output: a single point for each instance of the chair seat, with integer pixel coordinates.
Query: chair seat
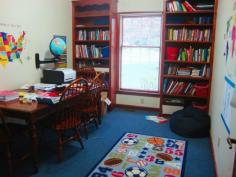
(67, 124)
(89, 110)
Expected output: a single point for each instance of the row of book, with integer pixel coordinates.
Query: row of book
(93, 63)
(93, 35)
(85, 51)
(185, 34)
(174, 87)
(194, 55)
(197, 19)
(203, 71)
(202, 20)
(176, 6)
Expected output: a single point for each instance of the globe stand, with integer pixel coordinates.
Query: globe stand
(38, 62)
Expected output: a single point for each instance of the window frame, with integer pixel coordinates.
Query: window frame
(120, 42)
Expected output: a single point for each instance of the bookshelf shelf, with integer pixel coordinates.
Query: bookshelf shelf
(187, 62)
(188, 48)
(91, 2)
(103, 59)
(94, 25)
(93, 14)
(188, 25)
(190, 42)
(191, 13)
(92, 41)
(186, 77)
(184, 96)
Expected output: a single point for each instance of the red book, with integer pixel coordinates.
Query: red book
(188, 6)
(7, 93)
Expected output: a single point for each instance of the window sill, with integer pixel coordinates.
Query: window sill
(138, 93)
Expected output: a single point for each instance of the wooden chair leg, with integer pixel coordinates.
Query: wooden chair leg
(79, 138)
(96, 119)
(85, 130)
(9, 160)
(59, 147)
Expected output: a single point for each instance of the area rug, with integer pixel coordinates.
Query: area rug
(136, 155)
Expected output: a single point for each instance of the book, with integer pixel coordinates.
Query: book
(188, 6)
(157, 119)
(8, 95)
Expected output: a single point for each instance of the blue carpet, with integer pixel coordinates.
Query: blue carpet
(77, 162)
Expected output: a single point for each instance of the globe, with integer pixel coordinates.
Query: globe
(57, 46)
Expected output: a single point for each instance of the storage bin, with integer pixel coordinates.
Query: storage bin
(201, 90)
(172, 53)
(202, 107)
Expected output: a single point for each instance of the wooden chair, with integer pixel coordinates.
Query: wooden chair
(91, 101)
(68, 116)
(6, 140)
(88, 73)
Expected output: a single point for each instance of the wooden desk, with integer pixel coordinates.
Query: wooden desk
(31, 113)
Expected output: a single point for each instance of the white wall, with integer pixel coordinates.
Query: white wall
(139, 6)
(224, 156)
(141, 101)
(41, 19)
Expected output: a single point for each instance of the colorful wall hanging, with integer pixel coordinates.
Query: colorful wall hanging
(12, 43)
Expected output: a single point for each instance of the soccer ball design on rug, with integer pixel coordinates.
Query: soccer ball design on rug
(137, 155)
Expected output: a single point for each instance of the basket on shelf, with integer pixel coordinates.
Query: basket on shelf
(201, 90)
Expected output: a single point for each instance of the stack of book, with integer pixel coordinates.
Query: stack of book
(185, 34)
(196, 72)
(184, 71)
(6, 95)
(204, 6)
(204, 71)
(176, 6)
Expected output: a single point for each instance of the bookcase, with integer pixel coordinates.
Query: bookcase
(187, 53)
(94, 39)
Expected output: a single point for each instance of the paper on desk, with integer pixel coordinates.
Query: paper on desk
(31, 96)
(26, 86)
(45, 87)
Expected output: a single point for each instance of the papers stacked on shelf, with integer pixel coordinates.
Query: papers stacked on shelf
(6, 95)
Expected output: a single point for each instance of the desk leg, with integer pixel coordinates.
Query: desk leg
(99, 110)
(34, 142)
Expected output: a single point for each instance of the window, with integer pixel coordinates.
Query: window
(140, 52)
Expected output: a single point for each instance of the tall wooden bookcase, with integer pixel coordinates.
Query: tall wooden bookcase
(94, 39)
(187, 53)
